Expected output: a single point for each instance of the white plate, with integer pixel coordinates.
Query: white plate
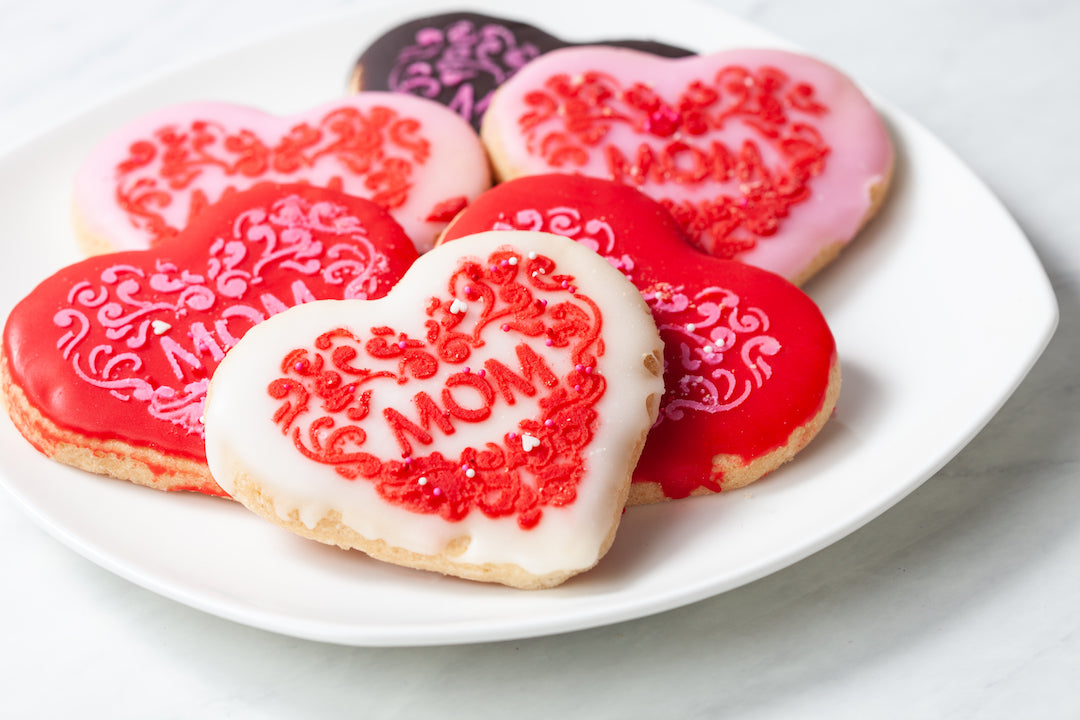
(939, 310)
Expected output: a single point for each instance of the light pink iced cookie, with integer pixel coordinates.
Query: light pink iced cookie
(768, 157)
(482, 420)
(145, 182)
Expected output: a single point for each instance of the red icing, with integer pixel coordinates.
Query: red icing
(771, 345)
(447, 209)
(326, 390)
(359, 142)
(121, 346)
(770, 170)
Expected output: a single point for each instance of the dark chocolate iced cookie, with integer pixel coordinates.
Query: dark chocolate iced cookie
(458, 59)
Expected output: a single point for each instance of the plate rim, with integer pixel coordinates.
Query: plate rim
(468, 632)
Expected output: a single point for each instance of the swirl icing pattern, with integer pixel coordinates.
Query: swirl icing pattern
(703, 327)
(748, 357)
(130, 340)
(482, 420)
(768, 157)
(536, 463)
(460, 59)
(150, 178)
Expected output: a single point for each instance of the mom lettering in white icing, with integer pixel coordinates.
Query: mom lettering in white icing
(116, 328)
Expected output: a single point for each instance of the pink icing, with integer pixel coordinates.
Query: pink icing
(144, 182)
(779, 148)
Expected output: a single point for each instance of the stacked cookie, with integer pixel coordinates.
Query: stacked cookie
(334, 319)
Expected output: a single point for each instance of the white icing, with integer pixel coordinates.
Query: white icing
(241, 435)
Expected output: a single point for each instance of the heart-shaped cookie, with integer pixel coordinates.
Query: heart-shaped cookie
(458, 59)
(106, 363)
(146, 181)
(769, 157)
(751, 372)
(482, 420)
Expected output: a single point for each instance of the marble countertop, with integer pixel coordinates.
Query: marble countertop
(960, 601)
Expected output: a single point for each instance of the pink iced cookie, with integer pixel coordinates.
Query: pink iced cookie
(143, 183)
(768, 157)
(482, 420)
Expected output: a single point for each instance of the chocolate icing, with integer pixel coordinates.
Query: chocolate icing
(458, 59)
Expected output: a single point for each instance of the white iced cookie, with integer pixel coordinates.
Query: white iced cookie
(482, 420)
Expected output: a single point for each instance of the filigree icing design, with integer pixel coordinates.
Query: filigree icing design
(458, 59)
(154, 334)
(333, 391)
(715, 350)
(163, 172)
(594, 233)
(749, 132)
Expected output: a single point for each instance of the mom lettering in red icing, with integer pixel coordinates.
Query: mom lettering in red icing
(327, 391)
(680, 151)
(768, 157)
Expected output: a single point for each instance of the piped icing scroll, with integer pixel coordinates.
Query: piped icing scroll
(459, 59)
(147, 180)
(768, 157)
(107, 362)
(482, 420)
(751, 372)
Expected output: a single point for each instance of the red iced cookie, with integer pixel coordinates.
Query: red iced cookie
(751, 371)
(143, 183)
(106, 363)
